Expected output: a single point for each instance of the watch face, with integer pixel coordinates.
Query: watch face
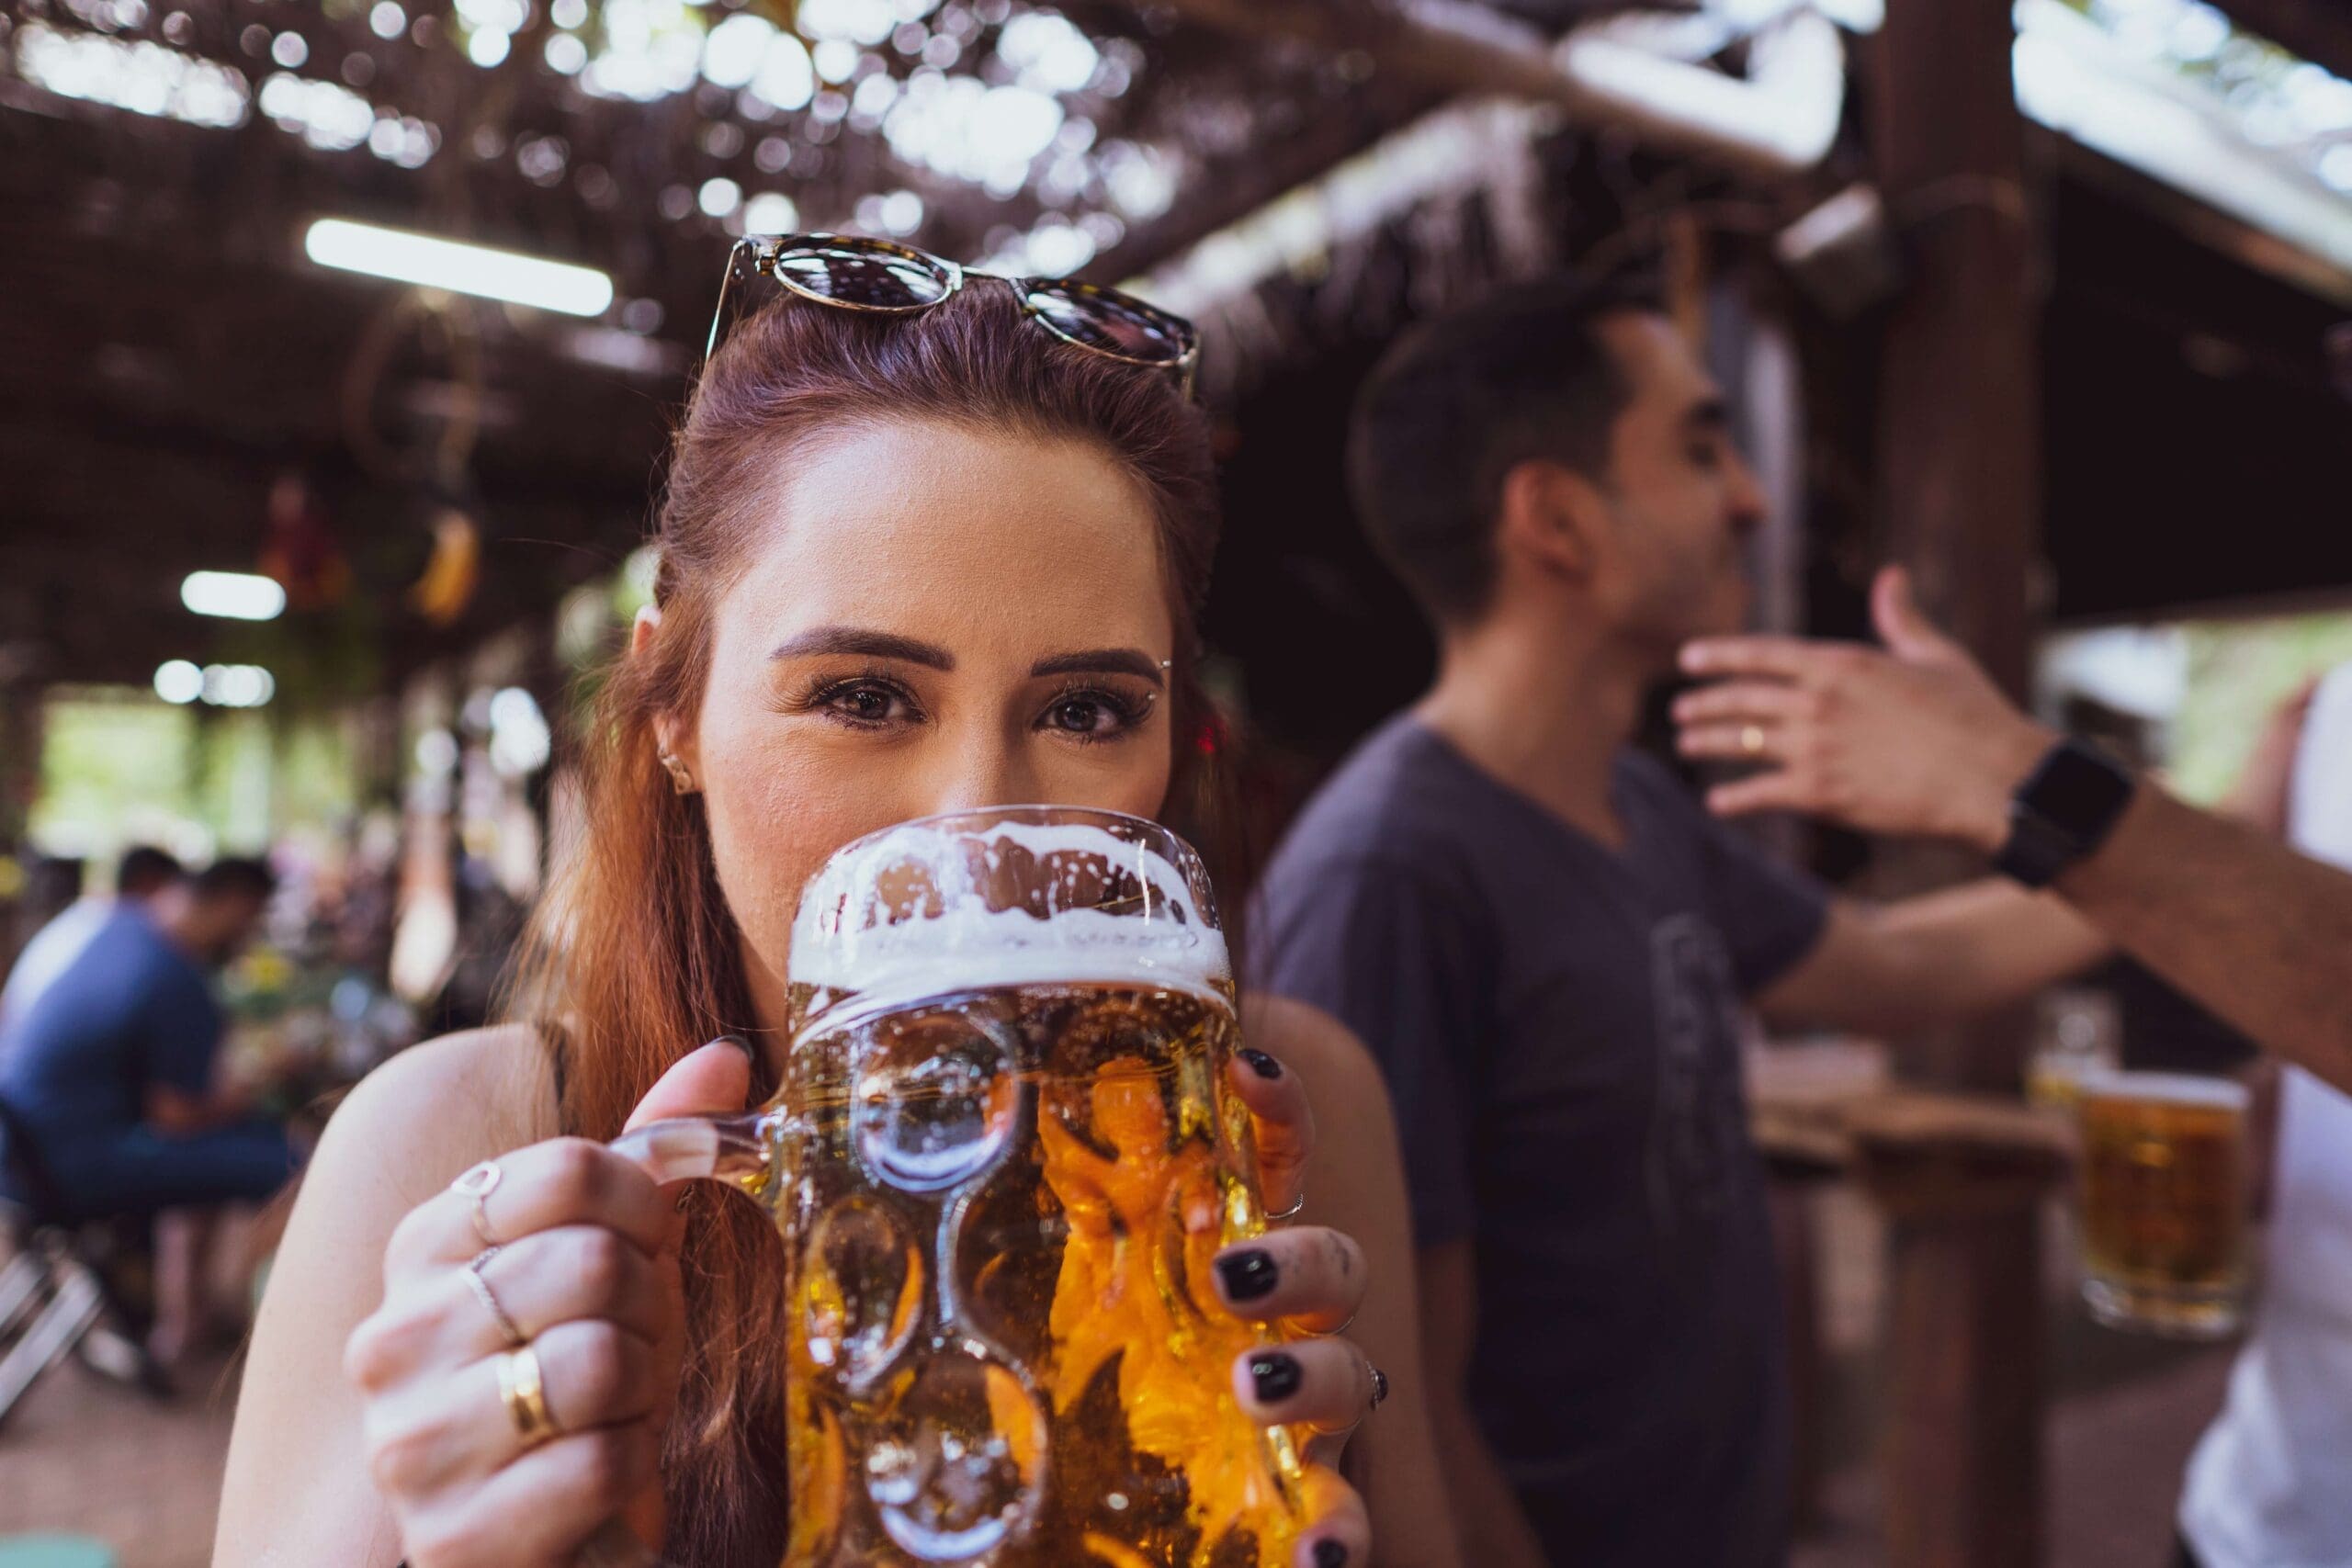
(2078, 790)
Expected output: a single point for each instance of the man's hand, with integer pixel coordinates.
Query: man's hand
(1914, 740)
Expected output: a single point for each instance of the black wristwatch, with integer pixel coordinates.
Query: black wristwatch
(2065, 810)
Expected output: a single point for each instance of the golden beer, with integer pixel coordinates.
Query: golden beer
(1002, 1157)
(2164, 1202)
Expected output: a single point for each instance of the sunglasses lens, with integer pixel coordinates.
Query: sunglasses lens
(1109, 320)
(877, 279)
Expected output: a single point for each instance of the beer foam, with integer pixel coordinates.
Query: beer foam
(2167, 1089)
(966, 945)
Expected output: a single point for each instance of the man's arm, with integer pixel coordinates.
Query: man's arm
(1883, 968)
(1916, 740)
(1495, 1533)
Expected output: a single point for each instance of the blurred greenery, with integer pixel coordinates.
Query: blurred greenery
(2239, 671)
(121, 767)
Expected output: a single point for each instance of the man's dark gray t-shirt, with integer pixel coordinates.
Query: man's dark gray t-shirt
(1558, 1023)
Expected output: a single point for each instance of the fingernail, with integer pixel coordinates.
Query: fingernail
(1694, 656)
(1265, 1066)
(1248, 1275)
(1275, 1376)
(1330, 1554)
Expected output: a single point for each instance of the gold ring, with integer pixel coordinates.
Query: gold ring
(1751, 739)
(489, 1299)
(520, 1385)
(478, 1184)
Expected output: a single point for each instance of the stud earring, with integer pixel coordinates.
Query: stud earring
(681, 780)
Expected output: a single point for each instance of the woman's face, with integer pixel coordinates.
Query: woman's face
(934, 619)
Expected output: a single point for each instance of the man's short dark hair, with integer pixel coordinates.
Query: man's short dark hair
(1460, 401)
(145, 871)
(234, 878)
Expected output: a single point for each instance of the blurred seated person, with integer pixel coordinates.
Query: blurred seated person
(143, 873)
(111, 1073)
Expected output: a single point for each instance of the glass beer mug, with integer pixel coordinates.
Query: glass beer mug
(1002, 1155)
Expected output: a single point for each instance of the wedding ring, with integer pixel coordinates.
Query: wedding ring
(526, 1396)
(1379, 1389)
(478, 1184)
(1290, 1214)
(1751, 739)
(489, 1299)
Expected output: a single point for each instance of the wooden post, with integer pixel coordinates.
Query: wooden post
(1962, 1183)
(1959, 414)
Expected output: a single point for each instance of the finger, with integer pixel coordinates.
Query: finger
(1743, 702)
(1776, 658)
(1323, 1384)
(574, 1272)
(591, 1374)
(1903, 626)
(715, 1079)
(1310, 1275)
(1728, 742)
(1779, 789)
(1338, 1532)
(1285, 1126)
(565, 1181)
(543, 1507)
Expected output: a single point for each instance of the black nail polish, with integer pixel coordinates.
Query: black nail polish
(1275, 1376)
(1265, 1066)
(1248, 1275)
(740, 1044)
(1330, 1554)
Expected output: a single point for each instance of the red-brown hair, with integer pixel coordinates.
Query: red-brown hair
(633, 958)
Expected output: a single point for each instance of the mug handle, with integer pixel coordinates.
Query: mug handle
(703, 1148)
(684, 1149)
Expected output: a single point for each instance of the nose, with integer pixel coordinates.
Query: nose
(985, 768)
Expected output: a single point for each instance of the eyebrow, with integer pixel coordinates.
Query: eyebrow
(872, 644)
(1102, 662)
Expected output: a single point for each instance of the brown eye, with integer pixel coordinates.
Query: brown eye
(1091, 715)
(866, 702)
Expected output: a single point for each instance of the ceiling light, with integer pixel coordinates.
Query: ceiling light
(234, 595)
(435, 262)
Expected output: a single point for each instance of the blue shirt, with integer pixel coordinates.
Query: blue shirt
(1558, 1023)
(131, 1011)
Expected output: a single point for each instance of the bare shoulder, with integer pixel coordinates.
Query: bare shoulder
(1338, 1071)
(422, 1118)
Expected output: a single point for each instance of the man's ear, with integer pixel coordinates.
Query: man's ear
(1552, 517)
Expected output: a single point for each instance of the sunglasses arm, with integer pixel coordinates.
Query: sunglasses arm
(726, 284)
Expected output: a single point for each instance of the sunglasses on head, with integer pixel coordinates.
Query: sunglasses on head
(851, 273)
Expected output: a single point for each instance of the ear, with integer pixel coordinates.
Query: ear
(1554, 518)
(668, 733)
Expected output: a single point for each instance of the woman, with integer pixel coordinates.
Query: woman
(910, 563)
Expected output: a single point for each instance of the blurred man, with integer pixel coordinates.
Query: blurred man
(111, 1072)
(1548, 944)
(143, 873)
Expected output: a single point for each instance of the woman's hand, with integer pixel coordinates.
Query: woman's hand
(585, 1272)
(1311, 1279)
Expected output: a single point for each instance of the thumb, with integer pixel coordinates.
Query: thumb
(1903, 626)
(717, 1078)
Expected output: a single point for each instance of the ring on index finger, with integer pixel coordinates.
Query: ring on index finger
(478, 1184)
(1280, 1216)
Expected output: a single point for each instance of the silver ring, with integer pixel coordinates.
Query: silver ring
(1350, 1323)
(1289, 1213)
(478, 1184)
(1379, 1388)
(515, 1339)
